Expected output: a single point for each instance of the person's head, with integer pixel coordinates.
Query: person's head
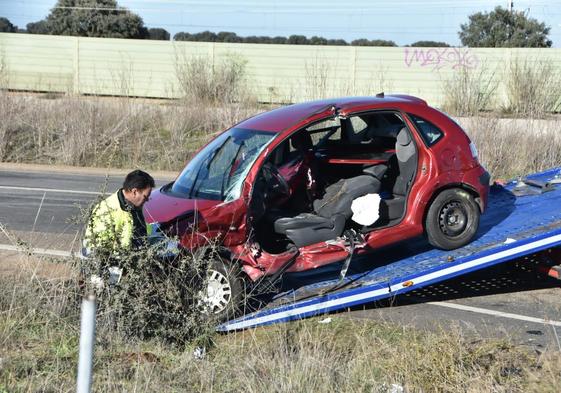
(137, 187)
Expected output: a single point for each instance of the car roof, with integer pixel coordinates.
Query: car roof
(284, 117)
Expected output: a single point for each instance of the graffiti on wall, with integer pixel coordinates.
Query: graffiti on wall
(439, 58)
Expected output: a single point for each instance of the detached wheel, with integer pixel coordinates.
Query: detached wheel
(452, 219)
(224, 295)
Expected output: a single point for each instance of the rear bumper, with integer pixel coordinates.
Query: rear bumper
(485, 179)
(478, 178)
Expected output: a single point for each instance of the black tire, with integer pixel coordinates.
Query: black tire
(224, 297)
(452, 219)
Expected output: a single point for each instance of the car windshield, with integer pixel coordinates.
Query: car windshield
(217, 172)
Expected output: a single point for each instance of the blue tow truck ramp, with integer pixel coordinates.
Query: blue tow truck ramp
(522, 218)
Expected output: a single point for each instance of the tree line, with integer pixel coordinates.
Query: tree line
(105, 18)
(295, 39)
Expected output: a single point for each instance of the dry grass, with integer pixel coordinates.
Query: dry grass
(533, 88)
(39, 340)
(510, 148)
(39, 332)
(122, 132)
(109, 132)
(469, 92)
(223, 83)
(126, 133)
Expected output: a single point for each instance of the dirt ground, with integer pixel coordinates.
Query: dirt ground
(53, 241)
(14, 263)
(23, 262)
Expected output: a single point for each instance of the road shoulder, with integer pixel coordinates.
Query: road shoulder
(44, 168)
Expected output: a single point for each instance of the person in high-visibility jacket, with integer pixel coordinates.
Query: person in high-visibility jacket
(117, 223)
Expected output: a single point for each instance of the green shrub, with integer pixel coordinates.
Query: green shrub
(155, 297)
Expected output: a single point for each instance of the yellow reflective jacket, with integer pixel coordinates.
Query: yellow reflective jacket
(110, 227)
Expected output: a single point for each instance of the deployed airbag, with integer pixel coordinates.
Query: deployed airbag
(366, 209)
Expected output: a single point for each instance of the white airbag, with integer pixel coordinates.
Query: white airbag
(366, 209)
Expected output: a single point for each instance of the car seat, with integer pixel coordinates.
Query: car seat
(393, 208)
(331, 211)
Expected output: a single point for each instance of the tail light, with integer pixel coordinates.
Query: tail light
(474, 152)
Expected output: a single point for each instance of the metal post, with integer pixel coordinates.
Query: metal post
(87, 339)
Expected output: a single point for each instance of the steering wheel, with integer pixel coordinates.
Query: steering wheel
(276, 183)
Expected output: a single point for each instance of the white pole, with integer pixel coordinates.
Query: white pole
(87, 339)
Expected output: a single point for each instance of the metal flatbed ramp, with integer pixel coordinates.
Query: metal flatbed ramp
(513, 226)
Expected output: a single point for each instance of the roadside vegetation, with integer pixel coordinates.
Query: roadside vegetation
(128, 133)
(39, 332)
(109, 132)
(530, 88)
(521, 136)
(469, 92)
(511, 147)
(533, 88)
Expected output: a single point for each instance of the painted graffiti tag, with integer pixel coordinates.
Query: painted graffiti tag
(438, 58)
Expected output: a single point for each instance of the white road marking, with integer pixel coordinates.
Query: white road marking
(38, 211)
(50, 190)
(38, 251)
(494, 313)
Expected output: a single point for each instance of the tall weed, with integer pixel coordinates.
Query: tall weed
(109, 132)
(469, 91)
(515, 147)
(39, 342)
(533, 88)
(216, 82)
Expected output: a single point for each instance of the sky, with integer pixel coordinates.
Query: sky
(402, 21)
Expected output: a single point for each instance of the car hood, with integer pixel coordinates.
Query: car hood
(163, 207)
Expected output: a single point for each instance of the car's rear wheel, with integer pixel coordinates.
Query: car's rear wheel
(224, 294)
(452, 219)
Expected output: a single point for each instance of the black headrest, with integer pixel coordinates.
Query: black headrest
(302, 141)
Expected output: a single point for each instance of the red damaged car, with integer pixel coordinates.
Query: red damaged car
(310, 184)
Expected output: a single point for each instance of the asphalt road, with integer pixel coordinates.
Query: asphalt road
(503, 301)
(39, 201)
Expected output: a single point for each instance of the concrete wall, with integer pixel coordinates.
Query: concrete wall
(279, 73)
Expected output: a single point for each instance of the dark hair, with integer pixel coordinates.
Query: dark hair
(138, 179)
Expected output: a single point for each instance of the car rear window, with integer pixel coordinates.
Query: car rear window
(429, 132)
(325, 130)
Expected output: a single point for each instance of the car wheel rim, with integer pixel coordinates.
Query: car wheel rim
(453, 219)
(218, 293)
